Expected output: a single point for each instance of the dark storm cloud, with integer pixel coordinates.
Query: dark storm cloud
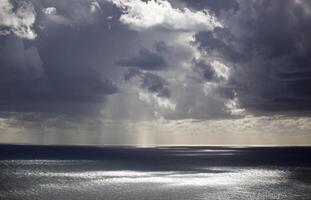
(161, 47)
(131, 73)
(292, 76)
(268, 47)
(149, 81)
(221, 42)
(155, 84)
(146, 60)
(30, 88)
(68, 67)
(206, 70)
(17, 61)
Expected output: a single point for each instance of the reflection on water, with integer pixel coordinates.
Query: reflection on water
(169, 176)
(40, 180)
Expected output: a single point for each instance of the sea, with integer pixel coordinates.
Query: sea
(29, 172)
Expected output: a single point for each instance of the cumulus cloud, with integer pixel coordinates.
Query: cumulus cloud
(17, 19)
(174, 45)
(150, 81)
(78, 14)
(155, 84)
(146, 60)
(94, 43)
(267, 47)
(213, 72)
(166, 61)
(141, 15)
(163, 104)
(206, 70)
(63, 70)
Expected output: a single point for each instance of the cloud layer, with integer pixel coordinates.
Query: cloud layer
(255, 53)
(155, 60)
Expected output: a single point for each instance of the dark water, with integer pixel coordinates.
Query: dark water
(56, 172)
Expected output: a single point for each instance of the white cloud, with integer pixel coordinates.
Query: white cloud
(189, 98)
(49, 11)
(94, 7)
(18, 21)
(153, 99)
(148, 14)
(232, 105)
(221, 70)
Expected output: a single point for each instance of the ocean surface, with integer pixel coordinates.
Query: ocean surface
(77, 172)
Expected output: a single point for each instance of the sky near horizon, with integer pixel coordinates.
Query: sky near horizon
(148, 72)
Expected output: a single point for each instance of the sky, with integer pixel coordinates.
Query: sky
(155, 72)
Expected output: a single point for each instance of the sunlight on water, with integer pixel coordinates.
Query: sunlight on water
(203, 183)
(172, 178)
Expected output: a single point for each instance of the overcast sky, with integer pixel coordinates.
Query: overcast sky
(207, 72)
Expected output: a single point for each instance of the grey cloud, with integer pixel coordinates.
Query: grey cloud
(222, 43)
(152, 82)
(18, 61)
(161, 47)
(131, 73)
(146, 60)
(155, 84)
(267, 45)
(206, 70)
(68, 68)
(292, 76)
(224, 89)
(74, 56)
